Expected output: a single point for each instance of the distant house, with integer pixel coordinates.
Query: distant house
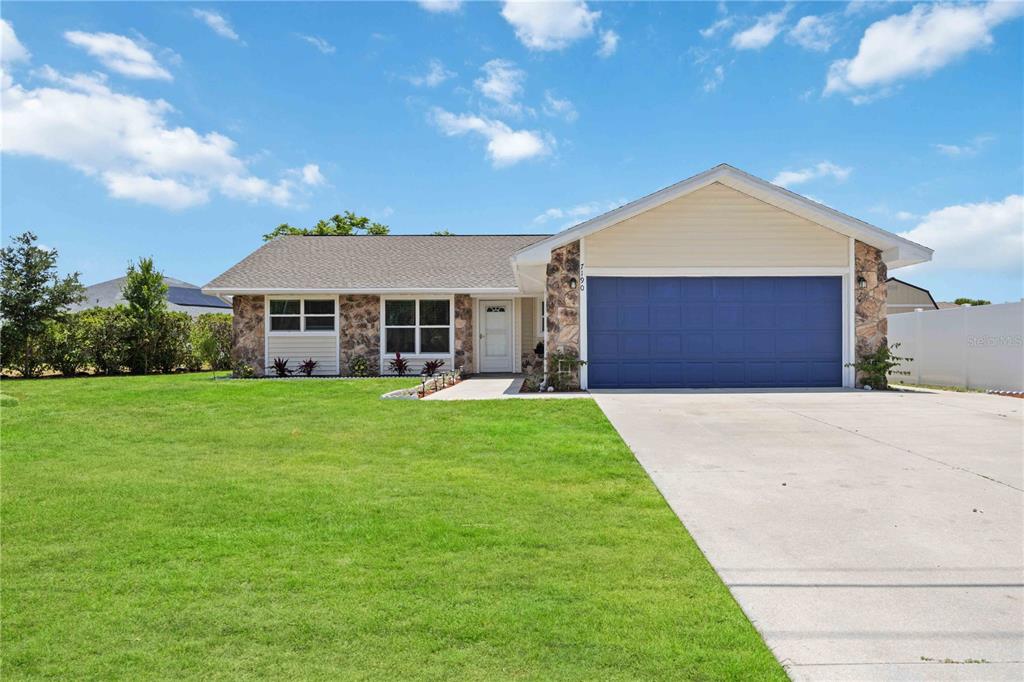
(904, 297)
(181, 296)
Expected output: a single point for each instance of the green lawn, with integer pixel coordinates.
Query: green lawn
(171, 527)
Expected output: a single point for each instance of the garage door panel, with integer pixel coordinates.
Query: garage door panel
(666, 316)
(706, 332)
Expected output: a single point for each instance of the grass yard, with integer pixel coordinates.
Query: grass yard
(180, 527)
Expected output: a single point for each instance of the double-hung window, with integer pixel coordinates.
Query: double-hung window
(302, 314)
(417, 326)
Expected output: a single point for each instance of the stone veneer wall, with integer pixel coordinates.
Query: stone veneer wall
(563, 302)
(872, 325)
(463, 333)
(247, 332)
(359, 318)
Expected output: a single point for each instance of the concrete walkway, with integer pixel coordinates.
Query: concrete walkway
(494, 387)
(867, 535)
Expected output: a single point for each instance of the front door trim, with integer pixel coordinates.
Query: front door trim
(482, 305)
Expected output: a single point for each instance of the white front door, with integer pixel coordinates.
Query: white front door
(496, 336)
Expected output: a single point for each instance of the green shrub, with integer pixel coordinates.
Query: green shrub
(211, 340)
(564, 370)
(107, 334)
(172, 347)
(874, 368)
(243, 370)
(359, 366)
(64, 345)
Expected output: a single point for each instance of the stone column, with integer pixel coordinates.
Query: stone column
(464, 333)
(871, 323)
(359, 334)
(247, 332)
(563, 303)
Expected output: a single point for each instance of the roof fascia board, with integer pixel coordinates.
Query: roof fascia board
(243, 291)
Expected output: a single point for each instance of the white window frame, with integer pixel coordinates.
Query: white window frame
(302, 317)
(384, 326)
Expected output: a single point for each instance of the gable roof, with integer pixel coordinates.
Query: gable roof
(339, 264)
(181, 295)
(913, 286)
(896, 251)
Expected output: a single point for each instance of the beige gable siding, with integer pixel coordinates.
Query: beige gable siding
(297, 347)
(717, 226)
(899, 295)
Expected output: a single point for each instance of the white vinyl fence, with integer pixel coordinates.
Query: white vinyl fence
(969, 346)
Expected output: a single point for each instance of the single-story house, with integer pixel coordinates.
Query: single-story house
(181, 297)
(721, 280)
(904, 297)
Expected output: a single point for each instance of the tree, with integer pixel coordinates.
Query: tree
(146, 295)
(31, 295)
(344, 225)
(972, 301)
(442, 233)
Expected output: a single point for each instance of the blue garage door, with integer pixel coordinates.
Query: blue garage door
(721, 332)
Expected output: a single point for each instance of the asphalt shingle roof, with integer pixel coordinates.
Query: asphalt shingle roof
(372, 262)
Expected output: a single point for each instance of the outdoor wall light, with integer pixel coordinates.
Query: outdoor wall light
(862, 283)
(573, 283)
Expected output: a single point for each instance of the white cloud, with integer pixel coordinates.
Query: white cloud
(962, 150)
(714, 29)
(435, 75)
(120, 54)
(11, 49)
(824, 169)
(319, 43)
(312, 176)
(548, 26)
(812, 33)
(576, 214)
(163, 192)
(127, 143)
(905, 215)
(986, 237)
(217, 22)
(762, 33)
(609, 44)
(716, 78)
(502, 83)
(440, 6)
(559, 108)
(505, 146)
(917, 44)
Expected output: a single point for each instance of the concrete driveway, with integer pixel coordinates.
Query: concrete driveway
(866, 535)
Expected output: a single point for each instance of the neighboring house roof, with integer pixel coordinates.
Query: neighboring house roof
(914, 286)
(376, 263)
(942, 305)
(896, 251)
(181, 296)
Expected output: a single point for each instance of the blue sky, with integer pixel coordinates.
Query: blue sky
(186, 131)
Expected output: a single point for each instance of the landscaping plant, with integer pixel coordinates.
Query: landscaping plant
(874, 368)
(563, 370)
(430, 367)
(399, 365)
(359, 366)
(64, 346)
(146, 295)
(281, 368)
(307, 366)
(211, 340)
(32, 294)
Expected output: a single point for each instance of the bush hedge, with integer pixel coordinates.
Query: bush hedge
(108, 341)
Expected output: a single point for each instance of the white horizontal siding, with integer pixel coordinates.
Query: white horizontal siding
(716, 226)
(296, 348)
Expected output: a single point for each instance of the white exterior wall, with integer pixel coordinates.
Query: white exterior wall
(969, 347)
(298, 346)
(716, 226)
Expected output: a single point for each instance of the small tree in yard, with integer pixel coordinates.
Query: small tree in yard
(146, 295)
(211, 340)
(31, 295)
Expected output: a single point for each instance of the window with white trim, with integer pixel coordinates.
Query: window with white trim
(302, 314)
(418, 325)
